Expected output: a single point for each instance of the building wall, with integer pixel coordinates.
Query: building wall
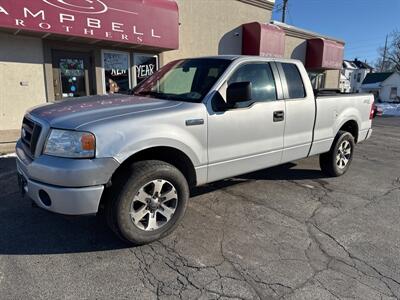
(21, 77)
(355, 83)
(211, 27)
(344, 84)
(332, 79)
(392, 81)
(295, 48)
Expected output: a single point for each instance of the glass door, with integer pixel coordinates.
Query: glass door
(116, 72)
(72, 74)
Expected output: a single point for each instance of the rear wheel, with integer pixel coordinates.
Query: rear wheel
(149, 204)
(337, 161)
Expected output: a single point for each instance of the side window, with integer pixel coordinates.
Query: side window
(261, 78)
(393, 93)
(294, 81)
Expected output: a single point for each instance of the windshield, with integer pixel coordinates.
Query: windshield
(184, 80)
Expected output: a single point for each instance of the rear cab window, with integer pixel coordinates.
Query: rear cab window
(294, 81)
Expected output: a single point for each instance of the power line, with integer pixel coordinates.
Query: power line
(368, 39)
(365, 45)
(362, 53)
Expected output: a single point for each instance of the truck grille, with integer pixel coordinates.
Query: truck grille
(30, 134)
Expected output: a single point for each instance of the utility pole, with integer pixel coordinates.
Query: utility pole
(384, 54)
(284, 10)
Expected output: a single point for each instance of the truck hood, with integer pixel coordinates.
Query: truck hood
(74, 113)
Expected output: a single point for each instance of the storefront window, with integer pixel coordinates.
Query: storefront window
(72, 77)
(145, 66)
(116, 72)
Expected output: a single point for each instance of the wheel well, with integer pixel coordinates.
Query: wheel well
(169, 155)
(352, 127)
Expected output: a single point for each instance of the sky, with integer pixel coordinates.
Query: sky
(362, 24)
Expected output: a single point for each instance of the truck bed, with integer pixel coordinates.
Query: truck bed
(331, 114)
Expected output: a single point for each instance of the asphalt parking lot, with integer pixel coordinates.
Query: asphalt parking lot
(287, 232)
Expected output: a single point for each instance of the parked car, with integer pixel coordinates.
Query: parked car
(193, 122)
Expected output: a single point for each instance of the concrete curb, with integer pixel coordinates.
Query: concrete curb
(6, 148)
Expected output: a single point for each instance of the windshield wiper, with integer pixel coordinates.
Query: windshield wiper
(145, 93)
(155, 94)
(149, 93)
(176, 97)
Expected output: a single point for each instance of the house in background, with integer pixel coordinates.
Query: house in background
(347, 72)
(344, 84)
(355, 71)
(385, 86)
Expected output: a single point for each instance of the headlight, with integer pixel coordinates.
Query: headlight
(71, 144)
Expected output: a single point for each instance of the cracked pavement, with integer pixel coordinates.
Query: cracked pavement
(287, 232)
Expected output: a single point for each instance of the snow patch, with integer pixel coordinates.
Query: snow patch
(8, 155)
(389, 109)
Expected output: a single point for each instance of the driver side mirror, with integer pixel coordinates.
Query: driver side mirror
(238, 92)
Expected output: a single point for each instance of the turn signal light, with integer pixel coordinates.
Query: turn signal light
(88, 142)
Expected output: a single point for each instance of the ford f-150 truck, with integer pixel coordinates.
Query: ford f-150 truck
(193, 122)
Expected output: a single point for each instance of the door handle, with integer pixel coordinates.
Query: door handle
(279, 116)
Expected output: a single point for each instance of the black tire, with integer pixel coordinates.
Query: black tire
(128, 185)
(328, 161)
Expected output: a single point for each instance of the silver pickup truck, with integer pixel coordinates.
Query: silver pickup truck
(193, 122)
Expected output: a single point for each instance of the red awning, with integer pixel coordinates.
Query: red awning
(152, 23)
(263, 39)
(324, 54)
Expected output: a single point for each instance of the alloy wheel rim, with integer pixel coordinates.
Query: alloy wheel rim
(154, 205)
(343, 154)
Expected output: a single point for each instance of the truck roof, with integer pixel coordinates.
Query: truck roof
(246, 57)
(226, 57)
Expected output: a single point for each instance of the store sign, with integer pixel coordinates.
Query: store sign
(151, 23)
(145, 66)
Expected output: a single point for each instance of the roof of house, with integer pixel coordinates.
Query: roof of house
(376, 77)
(361, 65)
(347, 64)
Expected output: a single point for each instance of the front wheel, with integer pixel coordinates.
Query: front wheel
(149, 204)
(337, 161)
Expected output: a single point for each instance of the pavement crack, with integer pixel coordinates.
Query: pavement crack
(261, 203)
(354, 258)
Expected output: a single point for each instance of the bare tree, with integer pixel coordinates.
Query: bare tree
(389, 58)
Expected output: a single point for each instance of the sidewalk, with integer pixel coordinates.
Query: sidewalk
(8, 138)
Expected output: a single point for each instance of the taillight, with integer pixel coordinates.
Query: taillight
(372, 111)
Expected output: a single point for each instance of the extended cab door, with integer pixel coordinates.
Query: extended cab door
(248, 137)
(300, 111)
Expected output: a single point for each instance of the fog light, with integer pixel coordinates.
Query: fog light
(45, 198)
